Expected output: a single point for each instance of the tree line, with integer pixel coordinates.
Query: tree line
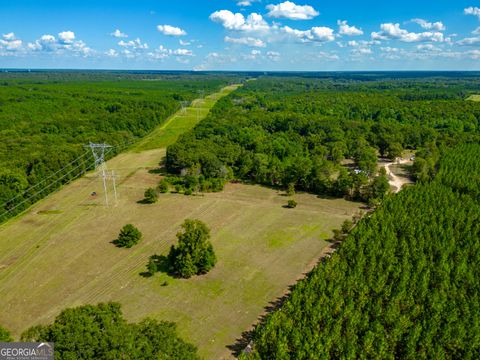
(404, 283)
(46, 118)
(324, 136)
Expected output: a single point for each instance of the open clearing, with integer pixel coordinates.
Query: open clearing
(59, 253)
(474, 98)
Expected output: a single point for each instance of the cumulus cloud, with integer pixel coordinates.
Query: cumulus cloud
(390, 31)
(66, 37)
(133, 44)
(438, 25)
(470, 41)
(10, 43)
(246, 2)
(111, 53)
(475, 11)
(345, 29)
(183, 52)
(249, 41)
(292, 11)
(273, 55)
(315, 34)
(231, 21)
(171, 30)
(118, 34)
(64, 43)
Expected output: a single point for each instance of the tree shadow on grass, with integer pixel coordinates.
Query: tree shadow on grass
(245, 341)
(162, 263)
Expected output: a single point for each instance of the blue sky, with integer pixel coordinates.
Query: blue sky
(241, 34)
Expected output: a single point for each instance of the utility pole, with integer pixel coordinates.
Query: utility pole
(184, 105)
(98, 151)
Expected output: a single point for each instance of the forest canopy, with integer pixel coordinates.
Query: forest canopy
(47, 118)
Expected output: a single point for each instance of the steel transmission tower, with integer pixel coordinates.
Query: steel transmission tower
(98, 151)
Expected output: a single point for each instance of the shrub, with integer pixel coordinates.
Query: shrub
(163, 186)
(291, 204)
(129, 236)
(5, 335)
(151, 196)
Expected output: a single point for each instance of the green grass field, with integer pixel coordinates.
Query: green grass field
(59, 254)
(474, 98)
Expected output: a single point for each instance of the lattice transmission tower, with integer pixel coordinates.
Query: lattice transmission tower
(98, 152)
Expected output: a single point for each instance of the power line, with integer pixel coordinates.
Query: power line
(46, 187)
(42, 181)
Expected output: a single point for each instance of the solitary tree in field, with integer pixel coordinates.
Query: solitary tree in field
(151, 196)
(129, 236)
(291, 204)
(194, 254)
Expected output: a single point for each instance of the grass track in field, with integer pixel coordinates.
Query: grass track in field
(181, 122)
(59, 253)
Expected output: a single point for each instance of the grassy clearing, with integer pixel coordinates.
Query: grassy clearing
(181, 122)
(49, 262)
(474, 98)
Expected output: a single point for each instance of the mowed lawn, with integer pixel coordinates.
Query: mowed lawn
(59, 254)
(474, 98)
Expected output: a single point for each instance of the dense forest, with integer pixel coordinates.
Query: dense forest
(302, 131)
(404, 284)
(101, 332)
(46, 119)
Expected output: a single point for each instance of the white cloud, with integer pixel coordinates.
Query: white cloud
(171, 30)
(476, 31)
(292, 11)
(249, 41)
(65, 43)
(10, 43)
(390, 31)
(9, 36)
(345, 29)
(469, 41)
(246, 2)
(133, 44)
(66, 37)
(438, 25)
(273, 55)
(315, 34)
(183, 52)
(118, 34)
(475, 11)
(184, 43)
(327, 55)
(231, 21)
(111, 53)
(253, 55)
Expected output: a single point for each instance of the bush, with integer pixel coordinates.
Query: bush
(163, 186)
(151, 196)
(5, 335)
(291, 204)
(188, 191)
(194, 254)
(129, 236)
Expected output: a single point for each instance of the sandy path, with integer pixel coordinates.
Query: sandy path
(396, 181)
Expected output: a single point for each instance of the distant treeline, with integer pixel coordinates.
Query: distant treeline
(291, 131)
(46, 118)
(404, 284)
